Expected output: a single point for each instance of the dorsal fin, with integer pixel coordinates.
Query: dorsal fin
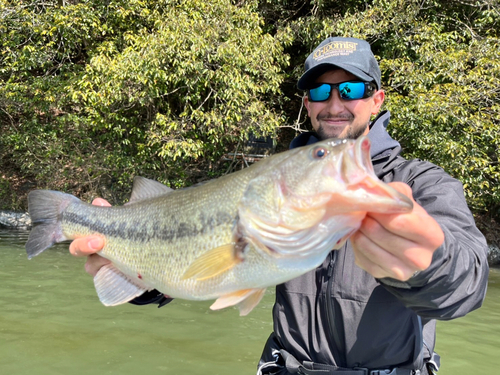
(144, 188)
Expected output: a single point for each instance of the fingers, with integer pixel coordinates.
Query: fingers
(367, 264)
(94, 263)
(413, 251)
(101, 202)
(379, 262)
(397, 245)
(85, 246)
(402, 188)
(417, 226)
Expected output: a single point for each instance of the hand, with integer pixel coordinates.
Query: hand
(88, 246)
(397, 245)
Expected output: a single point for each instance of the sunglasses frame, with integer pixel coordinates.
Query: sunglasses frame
(370, 89)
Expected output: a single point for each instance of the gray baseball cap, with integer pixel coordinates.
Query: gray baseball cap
(350, 54)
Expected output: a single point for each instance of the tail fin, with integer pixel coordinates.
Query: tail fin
(45, 208)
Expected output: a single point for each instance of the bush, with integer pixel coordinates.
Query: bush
(440, 63)
(94, 94)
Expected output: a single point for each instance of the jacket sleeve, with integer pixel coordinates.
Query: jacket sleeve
(153, 296)
(456, 281)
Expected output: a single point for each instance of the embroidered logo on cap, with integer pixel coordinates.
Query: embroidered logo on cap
(334, 49)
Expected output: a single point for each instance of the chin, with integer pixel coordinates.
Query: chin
(326, 135)
(346, 133)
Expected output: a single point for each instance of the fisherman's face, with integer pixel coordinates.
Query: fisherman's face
(339, 118)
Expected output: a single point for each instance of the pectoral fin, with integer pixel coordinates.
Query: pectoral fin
(245, 299)
(114, 287)
(213, 263)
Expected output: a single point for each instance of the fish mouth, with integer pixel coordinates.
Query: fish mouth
(364, 191)
(323, 217)
(359, 174)
(381, 198)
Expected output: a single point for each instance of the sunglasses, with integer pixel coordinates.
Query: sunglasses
(347, 91)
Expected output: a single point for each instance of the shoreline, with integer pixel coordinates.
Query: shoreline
(22, 221)
(15, 220)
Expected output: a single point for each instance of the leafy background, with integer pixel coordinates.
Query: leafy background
(95, 92)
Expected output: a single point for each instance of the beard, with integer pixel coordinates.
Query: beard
(352, 133)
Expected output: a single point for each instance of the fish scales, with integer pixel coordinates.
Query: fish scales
(178, 225)
(227, 239)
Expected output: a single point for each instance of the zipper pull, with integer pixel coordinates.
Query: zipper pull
(333, 258)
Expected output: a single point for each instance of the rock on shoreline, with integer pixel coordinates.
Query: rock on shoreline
(493, 255)
(15, 220)
(21, 220)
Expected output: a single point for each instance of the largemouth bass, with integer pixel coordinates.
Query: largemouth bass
(230, 238)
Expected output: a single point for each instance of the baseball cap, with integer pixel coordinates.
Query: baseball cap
(350, 54)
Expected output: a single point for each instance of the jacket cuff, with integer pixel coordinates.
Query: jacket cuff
(152, 296)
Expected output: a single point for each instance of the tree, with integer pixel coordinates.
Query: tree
(96, 92)
(440, 63)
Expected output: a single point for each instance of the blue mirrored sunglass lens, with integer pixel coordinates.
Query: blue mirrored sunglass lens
(320, 93)
(352, 90)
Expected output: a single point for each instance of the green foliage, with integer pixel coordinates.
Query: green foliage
(440, 63)
(96, 92)
(8, 199)
(446, 107)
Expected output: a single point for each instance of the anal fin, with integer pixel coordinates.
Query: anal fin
(115, 288)
(245, 299)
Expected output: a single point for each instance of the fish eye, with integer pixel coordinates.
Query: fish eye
(319, 152)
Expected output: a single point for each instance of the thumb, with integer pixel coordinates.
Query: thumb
(402, 188)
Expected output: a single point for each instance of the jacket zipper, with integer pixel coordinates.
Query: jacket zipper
(330, 312)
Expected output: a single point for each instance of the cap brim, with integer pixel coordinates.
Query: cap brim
(309, 77)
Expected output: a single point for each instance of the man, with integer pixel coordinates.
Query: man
(371, 307)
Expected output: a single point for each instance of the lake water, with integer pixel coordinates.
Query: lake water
(53, 323)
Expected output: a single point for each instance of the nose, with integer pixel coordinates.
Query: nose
(335, 104)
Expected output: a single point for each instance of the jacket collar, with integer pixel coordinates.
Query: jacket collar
(382, 143)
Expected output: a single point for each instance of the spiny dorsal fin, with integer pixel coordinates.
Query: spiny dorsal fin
(245, 299)
(144, 188)
(212, 263)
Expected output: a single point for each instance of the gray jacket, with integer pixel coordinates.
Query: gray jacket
(340, 315)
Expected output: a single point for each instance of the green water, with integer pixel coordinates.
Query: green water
(52, 323)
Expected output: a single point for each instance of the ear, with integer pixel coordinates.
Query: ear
(378, 100)
(305, 99)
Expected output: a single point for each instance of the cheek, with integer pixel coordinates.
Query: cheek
(359, 109)
(314, 109)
